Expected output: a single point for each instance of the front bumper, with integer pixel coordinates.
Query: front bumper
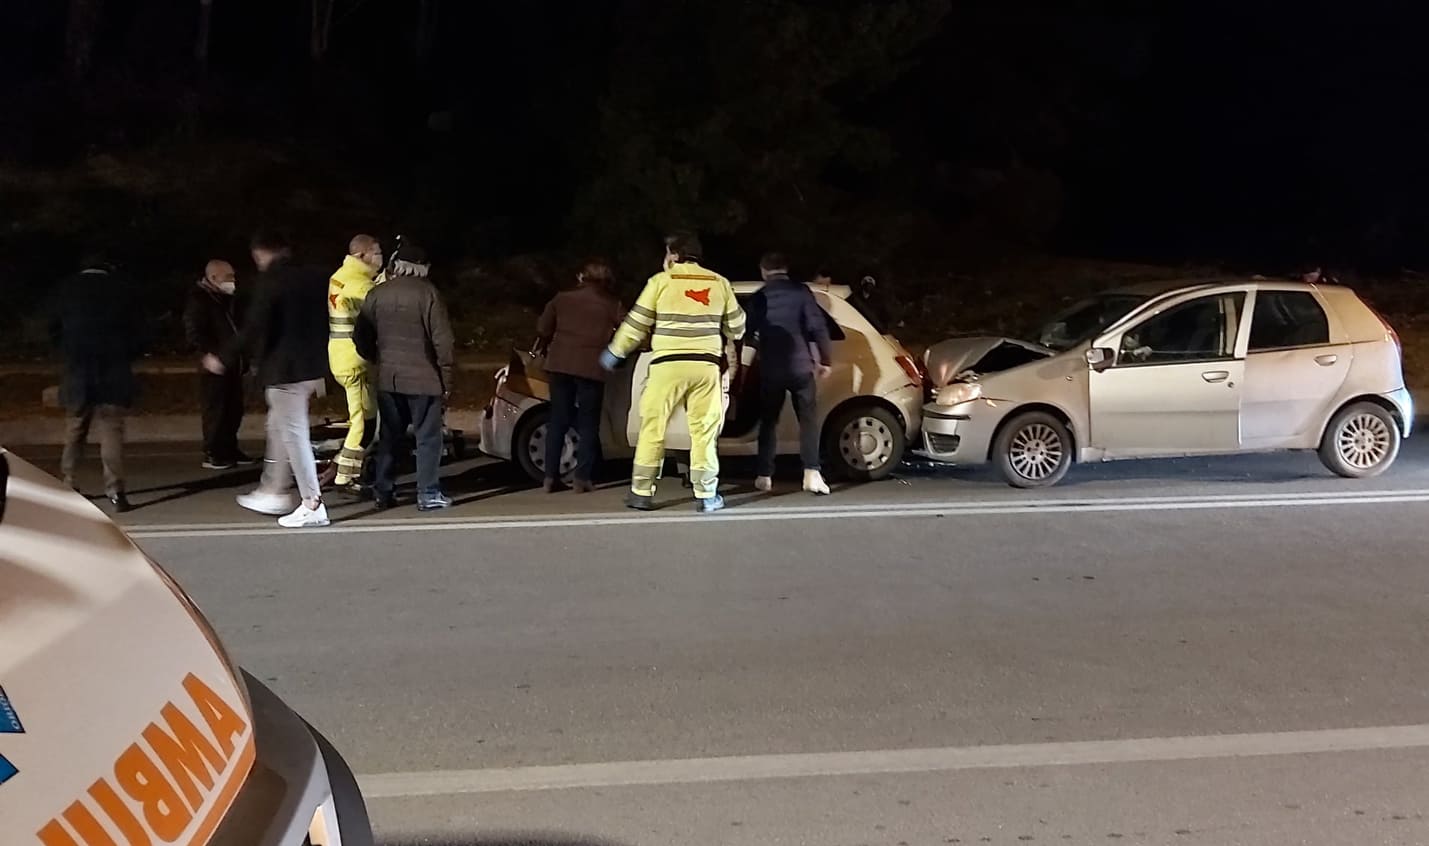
(957, 434)
(299, 791)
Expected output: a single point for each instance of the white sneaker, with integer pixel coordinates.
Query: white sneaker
(763, 483)
(814, 483)
(305, 518)
(273, 505)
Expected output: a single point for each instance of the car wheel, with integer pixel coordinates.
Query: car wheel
(1361, 441)
(529, 447)
(864, 443)
(1034, 450)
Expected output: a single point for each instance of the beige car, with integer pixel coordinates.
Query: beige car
(869, 408)
(1176, 369)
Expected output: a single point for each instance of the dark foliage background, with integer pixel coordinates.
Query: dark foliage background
(920, 139)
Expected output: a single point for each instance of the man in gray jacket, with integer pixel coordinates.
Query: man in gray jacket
(403, 328)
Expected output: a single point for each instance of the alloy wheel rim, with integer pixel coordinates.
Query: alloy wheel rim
(1036, 452)
(1364, 441)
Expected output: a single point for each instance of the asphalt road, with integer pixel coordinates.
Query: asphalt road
(1228, 651)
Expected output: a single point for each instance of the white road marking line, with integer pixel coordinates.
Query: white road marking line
(954, 509)
(888, 761)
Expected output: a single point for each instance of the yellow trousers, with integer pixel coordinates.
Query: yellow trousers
(361, 408)
(694, 386)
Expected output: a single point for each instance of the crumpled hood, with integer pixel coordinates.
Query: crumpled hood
(983, 354)
(116, 702)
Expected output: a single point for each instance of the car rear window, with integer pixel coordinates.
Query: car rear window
(1288, 319)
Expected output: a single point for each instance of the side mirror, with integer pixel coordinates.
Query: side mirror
(1099, 358)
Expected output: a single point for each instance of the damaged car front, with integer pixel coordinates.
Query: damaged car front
(978, 381)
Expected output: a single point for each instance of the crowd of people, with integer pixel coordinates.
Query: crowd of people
(379, 328)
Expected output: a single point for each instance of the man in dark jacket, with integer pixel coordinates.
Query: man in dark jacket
(210, 326)
(285, 333)
(403, 328)
(794, 352)
(98, 330)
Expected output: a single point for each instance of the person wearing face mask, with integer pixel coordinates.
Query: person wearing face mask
(285, 332)
(346, 291)
(210, 326)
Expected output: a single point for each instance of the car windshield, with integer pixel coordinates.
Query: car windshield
(1086, 319)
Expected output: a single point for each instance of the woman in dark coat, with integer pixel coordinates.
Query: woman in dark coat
(573, 330)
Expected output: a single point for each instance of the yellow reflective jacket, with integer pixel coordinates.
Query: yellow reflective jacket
(346, 290)
(686, 310)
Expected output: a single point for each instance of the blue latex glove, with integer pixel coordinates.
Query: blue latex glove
(609, 360)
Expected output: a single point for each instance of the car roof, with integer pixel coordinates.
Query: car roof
(1167, 286)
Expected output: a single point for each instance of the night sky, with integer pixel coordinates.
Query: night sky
(1265, 135)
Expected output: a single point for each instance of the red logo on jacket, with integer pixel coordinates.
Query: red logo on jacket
(701, 297)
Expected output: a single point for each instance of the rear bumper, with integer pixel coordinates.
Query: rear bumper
(1404, 402)
(499, 420)
(299, 791)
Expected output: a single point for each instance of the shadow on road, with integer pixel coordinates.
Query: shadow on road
(181, 490)
(499, 839)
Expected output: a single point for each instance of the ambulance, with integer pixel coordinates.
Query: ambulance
(123, 722)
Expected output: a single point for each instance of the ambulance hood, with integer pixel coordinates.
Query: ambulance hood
(119, 711)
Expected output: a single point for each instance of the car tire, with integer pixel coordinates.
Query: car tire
(864, 443)
(529, 445)
(1361, 441)
(1034, 450)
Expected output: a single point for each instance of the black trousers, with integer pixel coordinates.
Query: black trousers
(424, 414)
(574, 400)
(222, 404)
(772, 390)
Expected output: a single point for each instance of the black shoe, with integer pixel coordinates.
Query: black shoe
(121, 503)
(211, 463)
(639, 503)
(243, 459)
(383, 503)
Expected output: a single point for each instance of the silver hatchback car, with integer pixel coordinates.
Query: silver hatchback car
(1176, 369)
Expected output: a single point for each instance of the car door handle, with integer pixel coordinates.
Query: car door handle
(1326, 360)
(1214, 376)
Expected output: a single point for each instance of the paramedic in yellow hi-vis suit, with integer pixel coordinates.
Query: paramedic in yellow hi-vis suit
(688, 313)
(346, 291)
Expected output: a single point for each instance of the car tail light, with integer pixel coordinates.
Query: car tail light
(912, 369)
(1389, 330)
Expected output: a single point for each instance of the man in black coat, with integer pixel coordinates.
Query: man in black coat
(96, 325)
(285, 333)
(210, 325)
(795, 351)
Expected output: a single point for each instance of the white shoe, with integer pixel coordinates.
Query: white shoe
(763, 483)
(273, 505)
(814, 483)
(305, 518)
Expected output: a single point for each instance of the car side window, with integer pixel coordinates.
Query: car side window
(1285, 319)
(1200, 330)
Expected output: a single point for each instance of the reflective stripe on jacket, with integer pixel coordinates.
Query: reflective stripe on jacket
(686, 310)
(346, 291)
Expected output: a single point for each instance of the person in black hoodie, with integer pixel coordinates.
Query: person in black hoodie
(285, 334)
(795, 351)
(95, 322)
(210, 326)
